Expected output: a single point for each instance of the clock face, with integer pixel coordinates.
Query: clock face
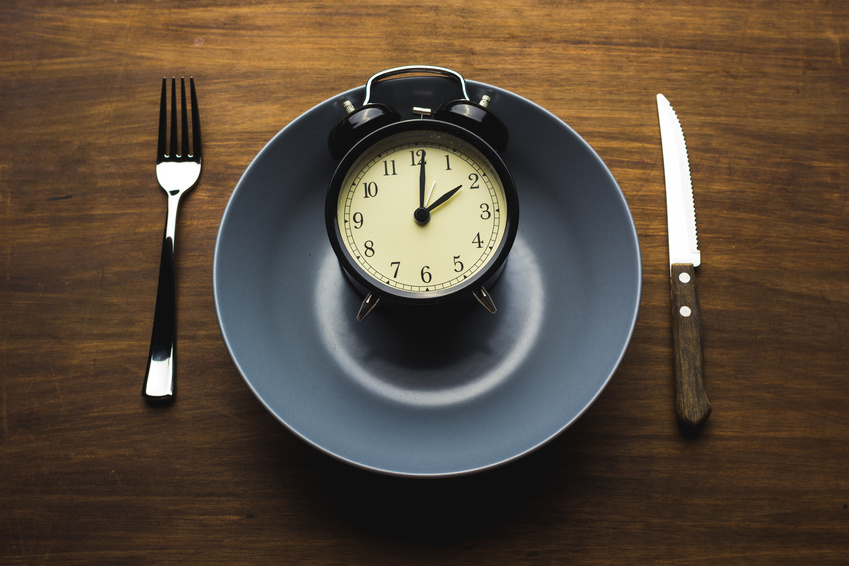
(424, 213)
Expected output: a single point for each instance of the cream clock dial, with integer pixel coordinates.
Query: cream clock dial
(422, 212)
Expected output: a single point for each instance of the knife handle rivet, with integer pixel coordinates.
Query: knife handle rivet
(684, 278)
(685, 311)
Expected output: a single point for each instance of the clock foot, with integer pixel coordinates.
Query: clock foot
(485, 299)
(369, 303)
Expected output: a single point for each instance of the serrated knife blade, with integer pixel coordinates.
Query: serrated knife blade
(691, 402)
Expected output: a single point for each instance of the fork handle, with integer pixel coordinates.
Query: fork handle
(159, 383)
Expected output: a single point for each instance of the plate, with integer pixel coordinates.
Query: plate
(439, 392)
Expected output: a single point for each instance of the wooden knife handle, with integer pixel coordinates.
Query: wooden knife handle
(691, 402)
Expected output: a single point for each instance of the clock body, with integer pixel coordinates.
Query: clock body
(422, 211)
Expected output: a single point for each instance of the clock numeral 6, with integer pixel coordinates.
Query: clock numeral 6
(426, 276)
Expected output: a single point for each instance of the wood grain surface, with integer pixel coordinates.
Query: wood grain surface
(90, 475)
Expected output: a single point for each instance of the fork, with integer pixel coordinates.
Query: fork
(176, 173)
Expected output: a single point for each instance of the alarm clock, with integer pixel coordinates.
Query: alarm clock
(421, 211)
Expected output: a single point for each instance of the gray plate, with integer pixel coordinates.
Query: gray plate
(442, 392)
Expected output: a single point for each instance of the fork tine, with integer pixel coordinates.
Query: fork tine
(184, 121)
(173, 150)
(196, 154)
(163, 121)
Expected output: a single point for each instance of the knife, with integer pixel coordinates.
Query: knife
(691, 402)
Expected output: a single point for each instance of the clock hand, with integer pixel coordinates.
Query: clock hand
(430, 193)
(422, 214)
(422, 180)
(444, 197)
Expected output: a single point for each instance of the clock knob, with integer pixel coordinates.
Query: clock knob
(477, 118)
(359, 123)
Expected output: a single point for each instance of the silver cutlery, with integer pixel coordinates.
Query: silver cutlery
(176, 173)
(691, 402)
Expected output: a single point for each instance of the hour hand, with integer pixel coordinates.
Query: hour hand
(444, 197)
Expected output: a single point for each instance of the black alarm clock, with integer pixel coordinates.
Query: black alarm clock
(423, 210)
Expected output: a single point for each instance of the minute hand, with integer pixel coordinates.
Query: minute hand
(444, 197)
(422, 181)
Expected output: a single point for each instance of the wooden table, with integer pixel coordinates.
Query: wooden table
(91, 475)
